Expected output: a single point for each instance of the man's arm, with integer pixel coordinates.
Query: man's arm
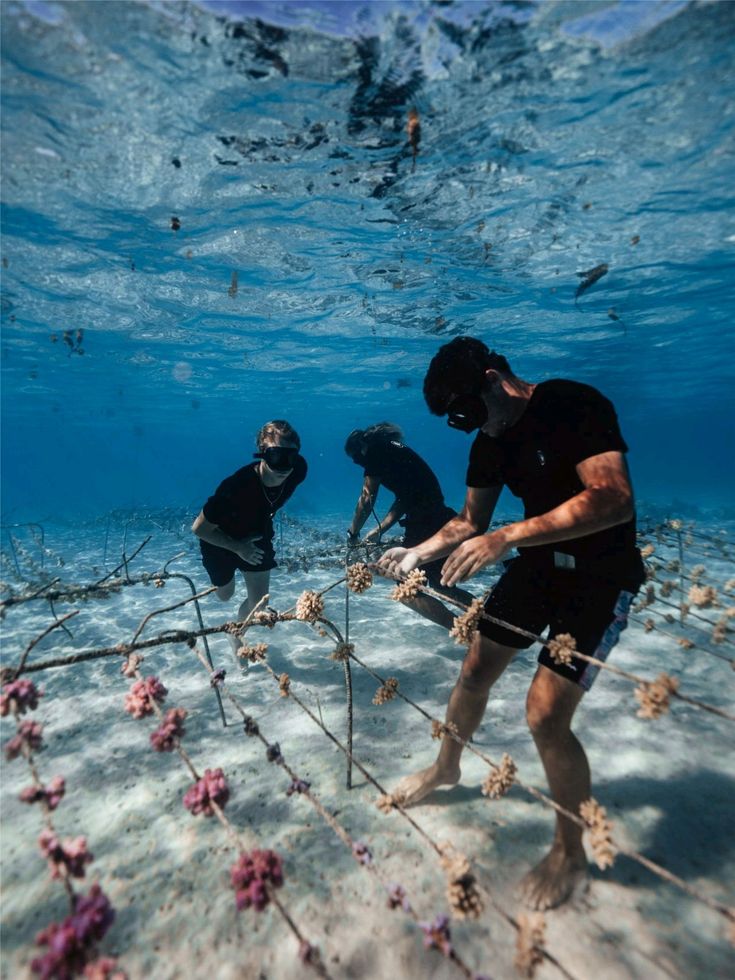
(606, 501)
(365, 503)
(213, 534)
(473, 519)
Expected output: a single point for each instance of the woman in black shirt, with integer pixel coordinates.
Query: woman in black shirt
(235, 526)
(387, 461)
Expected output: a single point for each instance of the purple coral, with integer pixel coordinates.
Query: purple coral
(250, 726)
(298, 786)
(51, 795)
(361, 852)
(437, 935)
(70, 942)
(397, 897)
(252, 874)
(217, 677)
(69, 856)
(164, 738)
(28, 736)
(273, 753)
(19, 697)
(211, 788)
(140, 698)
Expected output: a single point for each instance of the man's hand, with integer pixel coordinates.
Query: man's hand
(372, 536)
(248, 550)
(398, 561)
(472, 555)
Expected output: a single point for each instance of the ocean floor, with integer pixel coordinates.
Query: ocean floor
(668, 784)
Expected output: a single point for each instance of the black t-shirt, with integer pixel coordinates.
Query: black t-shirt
(405, 474)
(564, 423)
(242, 504)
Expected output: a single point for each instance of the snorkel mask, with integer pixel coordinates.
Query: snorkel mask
(280, 459)
(467, 413)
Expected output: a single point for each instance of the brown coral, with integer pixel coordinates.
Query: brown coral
(703, 596)
(499, 780)
(284, 685)
(359, 577)
(600, 832)
(410, 587)
(562, 648)
(387, 691)
(309, 606)
(653, 696)
(342, 651)
(440, 729)
(255, 654)
(465, 625)
(463, 894)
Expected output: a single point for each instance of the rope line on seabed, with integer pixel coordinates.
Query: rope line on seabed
(181, 636)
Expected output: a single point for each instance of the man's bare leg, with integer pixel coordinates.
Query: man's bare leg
(257, 585)
(551, 704)
(482, 666)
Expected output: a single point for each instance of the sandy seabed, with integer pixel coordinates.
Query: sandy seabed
(668, 786)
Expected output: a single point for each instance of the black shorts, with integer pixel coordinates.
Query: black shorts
(419, 527)
(221, 564)
(594, 610)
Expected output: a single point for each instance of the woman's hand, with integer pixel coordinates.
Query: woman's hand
(248, 550)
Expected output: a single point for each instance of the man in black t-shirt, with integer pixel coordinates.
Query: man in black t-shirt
(558, 447)
(235, 526)
(387, 461)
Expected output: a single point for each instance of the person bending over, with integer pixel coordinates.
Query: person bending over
(387, 461)
(235, 526)
(558, 447)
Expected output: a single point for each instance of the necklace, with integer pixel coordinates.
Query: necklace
(272, 501)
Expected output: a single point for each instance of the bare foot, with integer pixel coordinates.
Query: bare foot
(554, 879)
(414, 788)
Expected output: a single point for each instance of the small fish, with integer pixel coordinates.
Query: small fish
(232, 291)
(589, 278)
(635, 239)
(413, 128)
(612, 314)
(175, 223)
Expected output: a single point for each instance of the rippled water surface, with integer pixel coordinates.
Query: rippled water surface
(212, 215)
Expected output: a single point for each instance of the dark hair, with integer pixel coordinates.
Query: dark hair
(458, 368)
(360, 439)
(277, 427)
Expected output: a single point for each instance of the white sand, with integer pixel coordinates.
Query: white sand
(667, 785)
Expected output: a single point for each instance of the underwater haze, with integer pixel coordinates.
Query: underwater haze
(213, 215)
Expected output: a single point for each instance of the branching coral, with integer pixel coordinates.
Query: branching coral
(437, 935)
(309, 606)
(441, 729)
(342, 652)
(600, 832)
(702, 596)
(410, 587)
(387, 691)
(256, 653)
(284, 684)
(141, 696)
(388, 802)
(562, 648)
(18, 697)
(359, 577)
(530, 943)
(71, 942)
(653, 696)
(65, 858)
(210, 789)
(165, 738)
(465, 626)
(254, 873)
(361, 852)
(28, 738)
(499, 781)
(397, 897)
(131, 664)
(50, 795)
(463, 894)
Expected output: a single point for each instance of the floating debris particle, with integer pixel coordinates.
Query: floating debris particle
(612, 314)
(635, 239)
(232, 291)
(590, 277)
(175, 223)
(587, 205)
(413, 129)
(176, 162)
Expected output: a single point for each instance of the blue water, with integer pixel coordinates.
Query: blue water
(553, 136)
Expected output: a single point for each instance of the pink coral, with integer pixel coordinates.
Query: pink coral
(51, 795)
(164, 738)
(70, 943)
(68, 856)
(18, 697)
(140, 698)
(252, 875)
(28, 736)
(105, 968)
(211, 788)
